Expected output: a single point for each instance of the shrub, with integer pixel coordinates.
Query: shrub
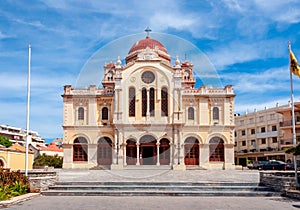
(5, 141)
(47, 160)
(12, 184)
(293, 150)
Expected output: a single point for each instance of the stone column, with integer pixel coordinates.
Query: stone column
(157, 154)
(180, 100)
(124, 154)
(137, 154)
(120, 149)
(181, 148)
(92, 154)
(148, 104)
(115, 148)
(92, 110)
(200, 154)
(120, 109)
(204, 155)
(229, 156)
(171, 153)
(175, 149)
(116, 105)
(68, 156)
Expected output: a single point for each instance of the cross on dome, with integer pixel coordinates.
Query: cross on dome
(148, 30)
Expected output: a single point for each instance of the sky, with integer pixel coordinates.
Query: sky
(245, 41)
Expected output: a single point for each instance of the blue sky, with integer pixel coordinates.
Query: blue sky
(245, 40)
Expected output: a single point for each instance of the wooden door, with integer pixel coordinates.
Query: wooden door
(191, 152)
(104, 152)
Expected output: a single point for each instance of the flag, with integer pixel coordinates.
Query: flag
(294, 66)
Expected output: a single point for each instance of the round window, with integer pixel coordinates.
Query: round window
(148, 77)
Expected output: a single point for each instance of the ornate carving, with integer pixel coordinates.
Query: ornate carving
(81, 102)
(132, 79)
(147, 54)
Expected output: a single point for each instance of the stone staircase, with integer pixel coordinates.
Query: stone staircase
(133, 188)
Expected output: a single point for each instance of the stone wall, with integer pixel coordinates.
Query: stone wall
(280, 181)
(40, 180)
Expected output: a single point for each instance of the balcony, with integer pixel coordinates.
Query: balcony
(289, 122)
(267, 134)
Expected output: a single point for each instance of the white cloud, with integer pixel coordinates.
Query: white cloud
(241, 108)
(282, 11)
(4, 36)
(241, 51)
(259, 82)
(36, 24)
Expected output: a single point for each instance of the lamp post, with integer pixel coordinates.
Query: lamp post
(27, 112)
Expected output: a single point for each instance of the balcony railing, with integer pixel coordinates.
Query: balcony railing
(289, 122)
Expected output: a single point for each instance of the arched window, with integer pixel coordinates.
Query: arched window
(216, 149)
(131, 151)
(131, 103)
(104, 113)
(80, 149)
(144, 102)
(1, 164)
(152, 102)
(191, 114)
(215, 113)
(164, 152)
(164, 102)
(80, 113)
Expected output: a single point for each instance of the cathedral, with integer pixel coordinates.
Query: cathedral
(148, 112)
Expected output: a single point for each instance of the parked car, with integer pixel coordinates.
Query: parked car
(291, 166)
(257, 164)
(274, 165)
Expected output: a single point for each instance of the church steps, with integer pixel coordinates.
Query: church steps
(143, 183)
(160, 193)
(160, 188)
(157, 188)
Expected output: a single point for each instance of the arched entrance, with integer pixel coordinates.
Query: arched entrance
(191, 151)
(148, 150)
(80, 149)
(164, 152)
(131, 152)
(216, 149)
(104, 151)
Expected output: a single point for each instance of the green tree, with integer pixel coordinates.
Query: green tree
(293, 150)
(47, 160)
(5, 141)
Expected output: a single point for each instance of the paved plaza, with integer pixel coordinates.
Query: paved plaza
(141, 202)
(157, 202)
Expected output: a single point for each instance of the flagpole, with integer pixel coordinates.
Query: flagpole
(293, 119)
(27, 112)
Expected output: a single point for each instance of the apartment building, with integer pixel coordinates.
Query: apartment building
(19, 135)
(264, 134)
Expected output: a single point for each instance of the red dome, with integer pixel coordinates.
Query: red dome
(148, 42)
(186, 63)
(110, 64)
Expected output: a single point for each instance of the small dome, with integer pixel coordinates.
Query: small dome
(148, 42)
(187, 64)
(110, 64)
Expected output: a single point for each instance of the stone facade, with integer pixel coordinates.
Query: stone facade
(148, 112)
